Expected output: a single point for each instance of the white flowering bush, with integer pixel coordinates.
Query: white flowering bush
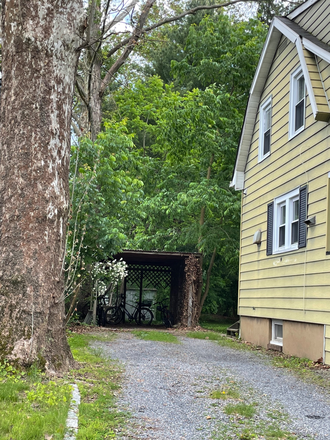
(106, 276)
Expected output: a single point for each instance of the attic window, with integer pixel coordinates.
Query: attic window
(297, 103)
(265, 129)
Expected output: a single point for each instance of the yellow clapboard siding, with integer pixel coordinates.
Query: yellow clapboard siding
(304, 171)
(327, 357)
(315, 317)
(312, 305)
(289, 267)
(317, 262)
(295, 278)
(291, 285)
(249, 252)
(327, 333)
(283, 122)
(313, 21)
(305, 162)
(292, 292)
(324, 35)
(282, 68)
(316, 198)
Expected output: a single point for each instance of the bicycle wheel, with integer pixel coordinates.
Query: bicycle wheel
(168, 319)
(113, 315)
(146, 316)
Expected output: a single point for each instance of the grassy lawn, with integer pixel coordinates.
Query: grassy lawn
(98, 380)
(35, 407)
(154, 335)
(216, 323)
(32, 406)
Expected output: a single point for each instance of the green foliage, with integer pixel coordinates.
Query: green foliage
(50, 393)
(103, 187)
(105, 194)
(167, 154)
(268, 9)
(9, 373)
(31, 407)
(220, 50)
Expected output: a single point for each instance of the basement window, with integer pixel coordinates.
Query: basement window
(277, 332)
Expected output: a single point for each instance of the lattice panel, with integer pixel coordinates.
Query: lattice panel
(153, 276)
(133, 276)
(157, 278)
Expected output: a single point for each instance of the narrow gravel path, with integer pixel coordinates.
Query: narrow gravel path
(167, 392)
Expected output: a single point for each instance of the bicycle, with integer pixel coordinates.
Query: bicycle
(166, 315)
(141, 314)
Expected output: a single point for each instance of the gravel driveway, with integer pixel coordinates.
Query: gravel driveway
(167, 389)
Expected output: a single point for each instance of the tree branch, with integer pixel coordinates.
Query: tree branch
(81, 93)
(131, 41)
(138, 31)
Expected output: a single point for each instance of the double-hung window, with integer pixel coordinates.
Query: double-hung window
(297, 103)
(265, 123)
(286, 229)
(286, 221)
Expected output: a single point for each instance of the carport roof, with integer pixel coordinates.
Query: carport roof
(154, 257)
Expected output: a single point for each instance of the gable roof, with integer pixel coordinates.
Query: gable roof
(307, 46)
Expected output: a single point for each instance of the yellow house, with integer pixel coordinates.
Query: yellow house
(283, 170)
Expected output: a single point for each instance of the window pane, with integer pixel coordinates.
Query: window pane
(294, 232)
(281, 240)
(267, 142)
(299, 117)
(282, 214)
(301, 89)
(295, 210)
(278, 331)
(267, 119)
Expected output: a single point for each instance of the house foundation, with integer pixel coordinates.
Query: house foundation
(300, 339)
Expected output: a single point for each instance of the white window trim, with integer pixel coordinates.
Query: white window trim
(264, 106)
(276, 341)
(298, 73)
(286, 198)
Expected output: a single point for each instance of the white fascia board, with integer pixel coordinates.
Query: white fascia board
(244, 145)
(306, 76)
(285, 30)
(300, 9)
(262, 56)
(276, 30)
(316, 50)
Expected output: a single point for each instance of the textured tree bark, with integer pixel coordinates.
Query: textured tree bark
(38, 69)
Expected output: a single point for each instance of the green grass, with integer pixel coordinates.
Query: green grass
(216, 324)
(31, 406)
(223, 340)
(225, 393)
(241, 409)
(153, 335)
(98, 380)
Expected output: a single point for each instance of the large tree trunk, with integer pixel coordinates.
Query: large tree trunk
(38, 69)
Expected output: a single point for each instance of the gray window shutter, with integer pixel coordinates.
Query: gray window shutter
(302, 217)
(270, 223)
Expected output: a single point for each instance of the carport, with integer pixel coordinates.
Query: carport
(177, 273)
